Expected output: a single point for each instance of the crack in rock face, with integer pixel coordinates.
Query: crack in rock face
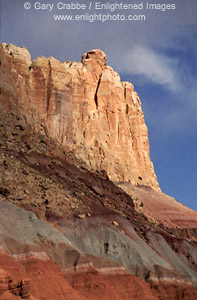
(84, 107)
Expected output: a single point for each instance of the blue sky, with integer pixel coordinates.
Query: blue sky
(157, 55)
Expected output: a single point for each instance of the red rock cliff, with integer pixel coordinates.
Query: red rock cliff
(84, 106)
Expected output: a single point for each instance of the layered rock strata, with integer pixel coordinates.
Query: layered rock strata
(162, 209)
(93, 244)
(84, 106)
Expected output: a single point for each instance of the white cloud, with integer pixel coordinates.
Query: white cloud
(158, 68)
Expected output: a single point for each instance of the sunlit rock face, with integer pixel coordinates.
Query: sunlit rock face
(85, 107)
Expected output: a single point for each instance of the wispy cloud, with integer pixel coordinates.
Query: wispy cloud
(153, 66)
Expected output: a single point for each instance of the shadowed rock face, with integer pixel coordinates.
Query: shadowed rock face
(85, 107)
(67, 231)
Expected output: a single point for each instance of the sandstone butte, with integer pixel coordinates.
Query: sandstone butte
(82, 216)
(85, 107)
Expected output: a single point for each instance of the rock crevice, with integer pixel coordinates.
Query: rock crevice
(84, 107)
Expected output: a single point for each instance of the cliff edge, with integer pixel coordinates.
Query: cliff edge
(84, 107)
